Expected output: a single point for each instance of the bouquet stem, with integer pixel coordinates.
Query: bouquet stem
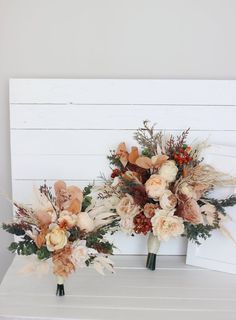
(153, 247)
(60, 286)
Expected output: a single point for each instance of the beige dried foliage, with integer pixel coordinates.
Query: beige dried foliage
(207, 177)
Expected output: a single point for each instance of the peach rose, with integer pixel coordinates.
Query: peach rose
(127, 207)
(166, 225)
(190, 211)
(80, 254)
(168, 170)
(155, 186)
(84, 222)
(168, 200)
(56, 239)
(149, 210)
(67, 220)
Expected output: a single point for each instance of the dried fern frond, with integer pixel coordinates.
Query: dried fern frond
(150, 140)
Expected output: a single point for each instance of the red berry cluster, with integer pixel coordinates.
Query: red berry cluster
(142, 224)
(115, 173)
(182, 155)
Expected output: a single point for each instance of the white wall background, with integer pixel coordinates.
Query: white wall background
(192, 39)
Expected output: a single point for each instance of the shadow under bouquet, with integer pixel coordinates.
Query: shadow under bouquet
(161, 189)
(64, 229)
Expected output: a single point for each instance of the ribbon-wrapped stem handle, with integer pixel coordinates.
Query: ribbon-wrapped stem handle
(153, 247)
(60, 286)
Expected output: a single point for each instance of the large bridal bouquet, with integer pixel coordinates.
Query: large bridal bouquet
(161, 189)
(63, 227)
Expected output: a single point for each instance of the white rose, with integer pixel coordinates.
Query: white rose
(56, 239)
(155, 186)
(127, 207)
(84, 222)
(168, 170)
(168, 200)
(165, 225)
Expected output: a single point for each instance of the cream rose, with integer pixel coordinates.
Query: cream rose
(127, 224)
(155, 186)
(84, 222)
(127, 207)
(168, 200)
(165, 225)
(168, 170)
(56, 239)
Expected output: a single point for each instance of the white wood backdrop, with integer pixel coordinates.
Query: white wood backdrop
(63, 129)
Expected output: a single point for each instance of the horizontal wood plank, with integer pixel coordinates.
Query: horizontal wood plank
(53, 167)
(122, 117)
(179, 293)
(110, 91)
(94, 142)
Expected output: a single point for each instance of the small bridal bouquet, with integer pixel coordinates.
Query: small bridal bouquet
(161, 189)
(64, 228)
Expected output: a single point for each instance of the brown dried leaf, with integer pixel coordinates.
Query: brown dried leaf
(144, 162)
(133, 156)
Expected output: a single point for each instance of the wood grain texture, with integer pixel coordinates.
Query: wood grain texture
(110, 91)
(169, 117)
(174, 290)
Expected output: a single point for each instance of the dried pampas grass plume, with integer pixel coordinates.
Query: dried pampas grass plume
(206, 176)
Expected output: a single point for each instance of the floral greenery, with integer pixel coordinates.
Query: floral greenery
(87, 198)
(199, 231)
(14, 228)
(223, 203)
(27, 247)
(114, 160)
(96, 239)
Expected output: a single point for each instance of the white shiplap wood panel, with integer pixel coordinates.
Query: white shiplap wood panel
(93, 142)
(79, 167)
(62, 129)
(168, 117)
(110, 91)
